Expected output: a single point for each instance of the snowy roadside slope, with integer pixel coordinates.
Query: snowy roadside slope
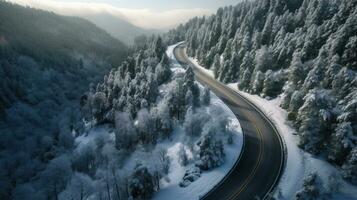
(298, 163)
(207, 71)
(209, 179)
(170, 53)
(292, 178)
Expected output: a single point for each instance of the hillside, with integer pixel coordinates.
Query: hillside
(47, 61)
(118, 28)
(302, 50)
(34, 42)
(141, 129)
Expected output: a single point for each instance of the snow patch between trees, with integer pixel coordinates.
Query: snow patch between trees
(209, 179)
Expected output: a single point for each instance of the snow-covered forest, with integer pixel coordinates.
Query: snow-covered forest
(69, 133)
(46, 63)
(152, 116)
(303, 50)
(83, 116)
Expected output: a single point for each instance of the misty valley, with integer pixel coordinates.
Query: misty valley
(256, 100)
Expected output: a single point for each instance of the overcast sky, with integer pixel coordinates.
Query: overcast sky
(158, 14)
(161, 5)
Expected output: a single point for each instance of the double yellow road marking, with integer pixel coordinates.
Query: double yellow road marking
(252, 174)
(261, 144)
(261, 149)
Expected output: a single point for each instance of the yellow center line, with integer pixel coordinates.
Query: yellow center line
(252, 174)
(201, 76)
(261, 144)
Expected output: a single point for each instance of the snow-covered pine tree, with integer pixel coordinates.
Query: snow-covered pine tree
(189, 99)
(125, 134)
(296, 69)
(140, 184)
(183, 158)
(273, 83)
(296, 102)
(206, 96)
(313, 119)
(163, 71)
(211, 150)
(258, 82)
(311, 42)
(263, 59)
(349, 169)
(216, 66)
(146, 127)
(341, 143)
(194, 122)
(189, 78)
(159, 47)
(165, 121)
(310, 189)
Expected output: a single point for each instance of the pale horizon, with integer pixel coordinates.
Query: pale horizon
(161, 15)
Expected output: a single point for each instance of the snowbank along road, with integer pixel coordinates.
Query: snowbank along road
(260, 166)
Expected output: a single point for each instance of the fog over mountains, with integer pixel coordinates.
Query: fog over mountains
(119, 28)
(87, 113)
(47, 61)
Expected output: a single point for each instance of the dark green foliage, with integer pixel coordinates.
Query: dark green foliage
(349, 169)
(47, 62)
(310, 190)
(313, 120)
(124, 89)
(258, 82)
(43, 55)
(206, 96)
(340, 143)
(159, 47)
(177, 100)
(163, 71)
(194, 122)
(26, 31)
(211, 153)
(296, 47)
(141, 185)
(273, 83)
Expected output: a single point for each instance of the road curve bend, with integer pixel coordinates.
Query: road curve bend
(261, 162)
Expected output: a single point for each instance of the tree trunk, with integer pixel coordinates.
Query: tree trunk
(116, 184)
(108, 189)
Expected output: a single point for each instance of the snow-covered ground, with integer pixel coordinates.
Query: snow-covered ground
(149, 156)
(299, 163)
(207, 71)
(176, 68)
(170, 189)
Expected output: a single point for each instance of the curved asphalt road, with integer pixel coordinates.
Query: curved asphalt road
(261, 163)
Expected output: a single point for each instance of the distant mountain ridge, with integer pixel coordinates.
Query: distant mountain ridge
(119, 28)
(53, 42)
(47, 62)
